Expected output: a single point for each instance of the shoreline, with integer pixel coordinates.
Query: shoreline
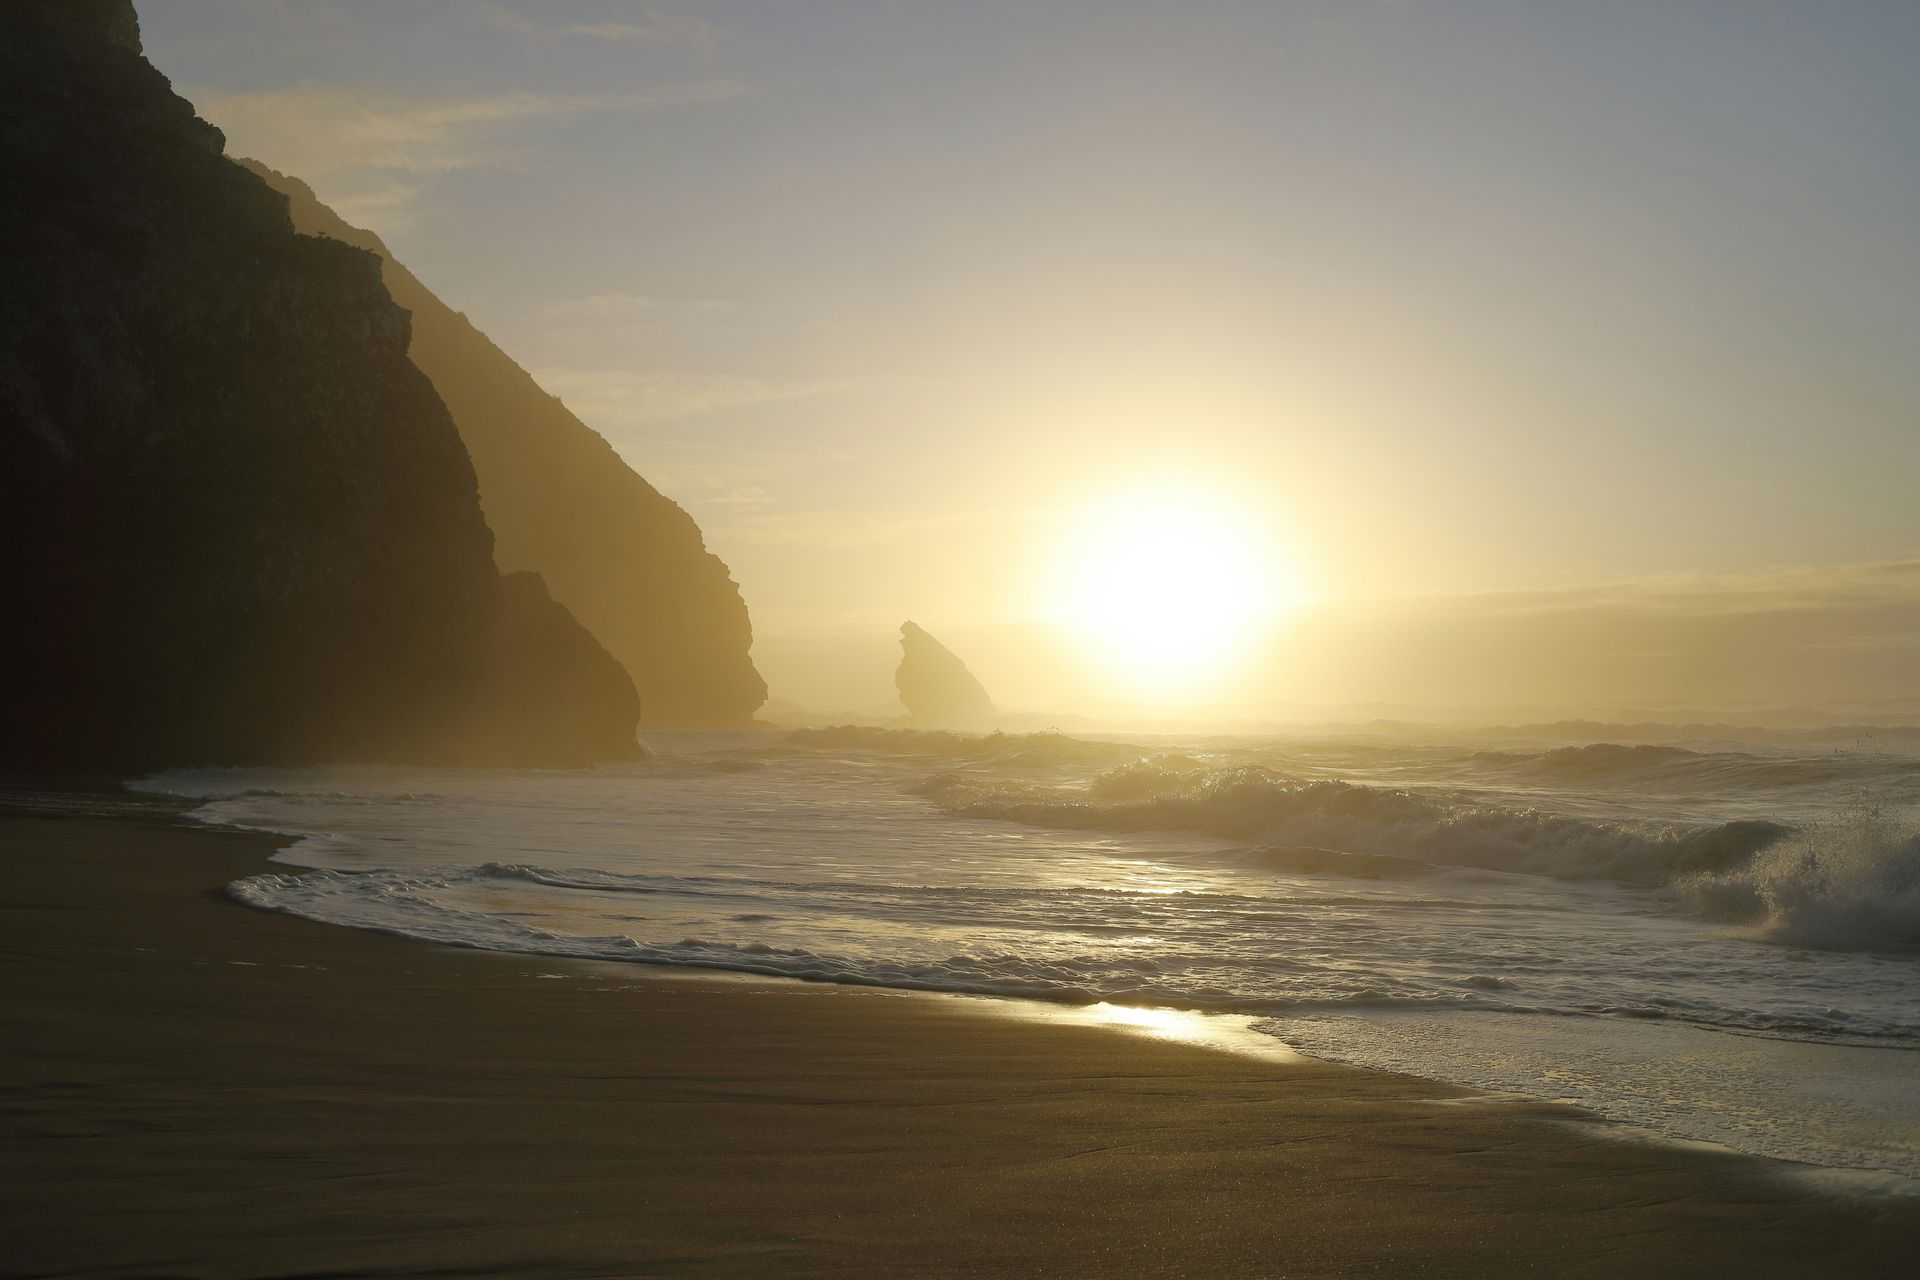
(202, 1088)
(1679, 1080)
(1233, 1034)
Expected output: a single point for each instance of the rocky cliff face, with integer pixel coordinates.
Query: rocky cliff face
(935, 686)
(239, 524)
(630, 563)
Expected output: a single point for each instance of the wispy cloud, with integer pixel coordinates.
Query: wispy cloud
(367, 151)
(842, 529)
(383, 204)
(626, 24)
(625, 311)
(330, 128)
(614, 398)
(308, 24)
(719, 504)
(725, 483)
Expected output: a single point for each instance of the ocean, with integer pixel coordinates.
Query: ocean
(1708, 941)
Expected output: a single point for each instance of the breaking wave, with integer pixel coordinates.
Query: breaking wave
(424, 903)
(1595, 759)
(1667, 768)
(191, 783)
(1255, 804)
(1852, 885)
(1290, 955)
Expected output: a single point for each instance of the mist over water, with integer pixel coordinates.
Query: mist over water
(1739, 925)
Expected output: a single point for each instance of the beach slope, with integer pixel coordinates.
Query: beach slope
(192, 1088)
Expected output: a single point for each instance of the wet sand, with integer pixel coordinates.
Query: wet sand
(193, 1088)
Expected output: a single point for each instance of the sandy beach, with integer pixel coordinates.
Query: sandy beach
(193, 1088)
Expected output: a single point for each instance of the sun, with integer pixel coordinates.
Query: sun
(1168, 583)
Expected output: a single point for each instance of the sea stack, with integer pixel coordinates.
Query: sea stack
(239, 526)
(626, 560)
(935, 686)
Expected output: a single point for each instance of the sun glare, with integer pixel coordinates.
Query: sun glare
(1167, 584)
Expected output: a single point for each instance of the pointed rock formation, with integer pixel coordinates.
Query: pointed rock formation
(236, 523)
(935, 686)
(629, 562)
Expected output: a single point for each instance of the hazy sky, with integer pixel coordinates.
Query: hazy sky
(1457, 297)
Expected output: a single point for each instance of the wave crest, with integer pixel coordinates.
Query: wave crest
(1666, 768)
(1253, 803)
(1847, 886)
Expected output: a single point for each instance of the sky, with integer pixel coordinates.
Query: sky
(1555, 354)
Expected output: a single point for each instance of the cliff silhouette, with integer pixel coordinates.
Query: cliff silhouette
(935, 686)
(240, 525)
(629, 562)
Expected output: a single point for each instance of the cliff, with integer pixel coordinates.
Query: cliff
(630, 563)
(935, 686)
(239, 524)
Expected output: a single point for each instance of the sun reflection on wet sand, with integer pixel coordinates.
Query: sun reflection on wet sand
(1228, 1033)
